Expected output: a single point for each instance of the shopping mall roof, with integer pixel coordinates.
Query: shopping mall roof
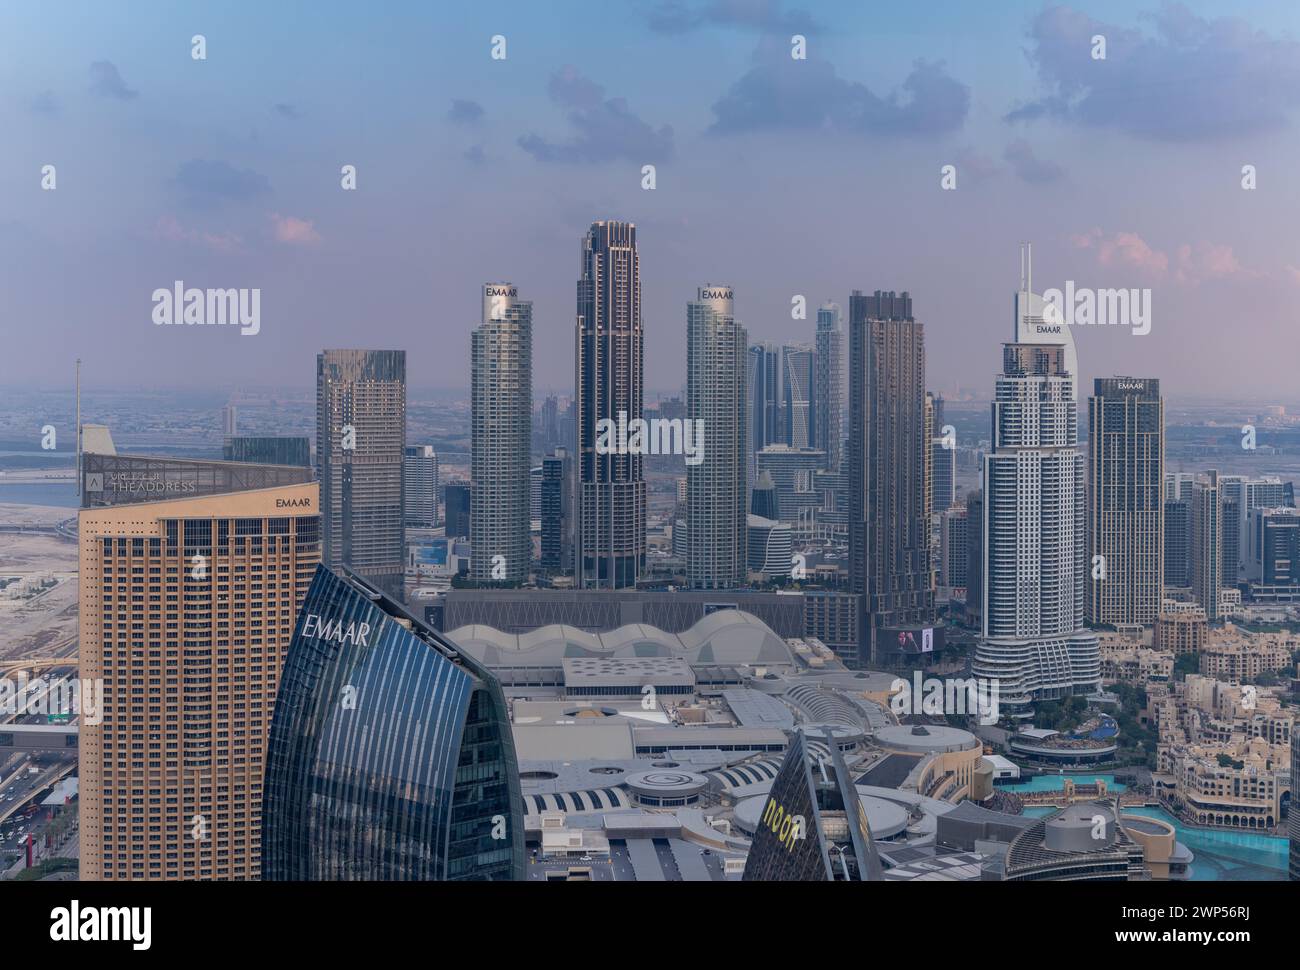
(722, 638)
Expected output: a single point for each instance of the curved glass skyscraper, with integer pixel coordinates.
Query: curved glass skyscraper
(390, 756)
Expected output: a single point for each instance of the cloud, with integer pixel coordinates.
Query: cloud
(1192, 79)
(1126, 249)
(1190, 264)
(766, 16)
(604, 129)
(205, 182)
(1210, 261)
(465, 112)
(169, 228)
(294, 231)
(1028, 166)
(285, 110)
(779, 93)
(105, 80)
(475, 155)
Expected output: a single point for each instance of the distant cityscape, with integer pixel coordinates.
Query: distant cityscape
(650, 464)
(870, 632)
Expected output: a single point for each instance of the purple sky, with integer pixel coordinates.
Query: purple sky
(780, 177)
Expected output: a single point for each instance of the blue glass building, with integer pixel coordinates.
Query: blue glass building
(390, 755)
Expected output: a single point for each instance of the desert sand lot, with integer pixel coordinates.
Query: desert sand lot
(43, 625)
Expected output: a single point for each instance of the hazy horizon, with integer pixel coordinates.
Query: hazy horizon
(780, 177)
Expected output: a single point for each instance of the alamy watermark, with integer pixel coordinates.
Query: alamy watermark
(977, 696)
(68, 696)
(657, 436)
(1082, 307)
(242, 308)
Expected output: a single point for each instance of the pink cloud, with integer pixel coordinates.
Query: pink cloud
(169, 228)
(1126, 249)
(1192, 263)
(295, 231)
(1208, 261)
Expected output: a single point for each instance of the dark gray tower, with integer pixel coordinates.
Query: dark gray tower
(889, 536)
(608, 383)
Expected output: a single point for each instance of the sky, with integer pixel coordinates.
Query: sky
(782, 177)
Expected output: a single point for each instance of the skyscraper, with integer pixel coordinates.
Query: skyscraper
(1178, 530)
(1230, 541)
(1125, 501)
(828, 385)
(927, 491)
(1272, 546)
(1207, 544)
(557, 512)
(360, 445)
(1034, 544)
(763, 385)
(549, 421)
(889, 535)
(501, 374)
(390, 756)
(457, 502)
(974, 611)
(608, 382)
(954, 547)
(798, 372)
(420, 486)
(191, 575)
(943, 461)
(717, 487)
(1244, 494)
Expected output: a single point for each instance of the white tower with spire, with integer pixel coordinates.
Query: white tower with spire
(1037, 321)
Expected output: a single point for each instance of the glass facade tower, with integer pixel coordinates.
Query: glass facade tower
(391, 756)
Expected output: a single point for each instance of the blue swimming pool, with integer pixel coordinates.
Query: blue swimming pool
(1057, 782)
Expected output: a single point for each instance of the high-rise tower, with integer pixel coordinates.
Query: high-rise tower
(191, 575)
(717, 487)
(390, 756)
(1033, 540)
(763, 387)
(1126, 509)
(798, 374)
(889, 535)
(608, 383)
(501, 374)
(360, 447)
(828, 385)
(1207, 544)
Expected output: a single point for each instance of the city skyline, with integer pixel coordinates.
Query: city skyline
(788, 533)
